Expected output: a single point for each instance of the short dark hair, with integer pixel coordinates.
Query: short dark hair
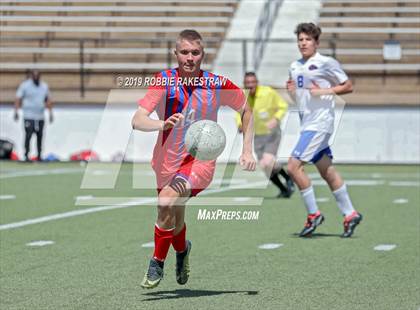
(310, 29)
(250, 73)
(190, 35)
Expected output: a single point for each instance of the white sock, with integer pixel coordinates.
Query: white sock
(343, 200)
(308, 196)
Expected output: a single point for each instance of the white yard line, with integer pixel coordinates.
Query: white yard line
(30, 173)
(40, 243)
(385, 247)
(59, 216)
(7, 197)
(128, 204)
(145, 201)
(270, 246)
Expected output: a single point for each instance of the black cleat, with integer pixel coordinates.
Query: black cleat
(290, 186)
(153, 275)
(287, 193)
(284, 194)
(312, 222)
(350, 223)
(182, 268)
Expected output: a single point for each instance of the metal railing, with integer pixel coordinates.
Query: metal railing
(263, 29)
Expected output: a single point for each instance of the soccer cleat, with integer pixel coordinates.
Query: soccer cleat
(350, 223)
(182, 265)
(153, 275)
(283, 194)
(290, 187)
(312, 222)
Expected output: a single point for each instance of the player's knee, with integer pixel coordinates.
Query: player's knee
(166, 201)
(292, 168)
(324, 174)
(263, 164)
(328, 175)
(166, 211)
(267, 164)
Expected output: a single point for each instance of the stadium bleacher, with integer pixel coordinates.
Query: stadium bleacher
(77, 42)
(104, 38)
(355, 32)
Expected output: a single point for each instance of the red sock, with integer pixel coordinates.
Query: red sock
(178, 241)
(163, 238)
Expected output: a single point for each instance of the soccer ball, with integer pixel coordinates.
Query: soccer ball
(205, 140)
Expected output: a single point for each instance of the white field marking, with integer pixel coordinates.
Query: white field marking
(350, 182)
(353, 182)
(7, 197)
(404, 183)
(150, 244)
(40, 243)
(241, 199)
(194, 201)
(232, 181)
(314, 176)
(372, 175)
(30, 173)
(400, 201)
(377, 175)
(139, 172)
(322, 199)
(58, 216)
(101, 172)
(385, 247)
(129, 204)
(270, 246)
(85, 197)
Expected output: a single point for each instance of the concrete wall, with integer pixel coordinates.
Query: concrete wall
(364, 135)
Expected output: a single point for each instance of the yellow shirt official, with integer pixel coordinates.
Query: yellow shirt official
(266, 105)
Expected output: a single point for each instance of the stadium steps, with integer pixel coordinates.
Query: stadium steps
(127, 38)
(358, 30)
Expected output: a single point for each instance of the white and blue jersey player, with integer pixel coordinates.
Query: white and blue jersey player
(314, 80)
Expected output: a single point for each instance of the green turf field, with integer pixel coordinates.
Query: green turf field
(97, 260)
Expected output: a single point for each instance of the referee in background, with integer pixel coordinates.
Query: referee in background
(33, 97)
(268, 109)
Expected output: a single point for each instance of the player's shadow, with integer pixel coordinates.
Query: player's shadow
(187, 293)
(317, 235)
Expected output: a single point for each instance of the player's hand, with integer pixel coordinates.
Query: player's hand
(318, 91)
(272, 123)
(16, 116)
(240, 129)
(291, 86)
(171, 121)
(247, 161)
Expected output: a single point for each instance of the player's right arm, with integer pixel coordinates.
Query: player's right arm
(143, 122)
(155, 97)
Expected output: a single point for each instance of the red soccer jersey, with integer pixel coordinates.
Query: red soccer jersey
(196, 99)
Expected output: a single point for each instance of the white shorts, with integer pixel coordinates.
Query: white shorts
(312, 145)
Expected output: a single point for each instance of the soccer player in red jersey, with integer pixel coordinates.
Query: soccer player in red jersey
(181, 96)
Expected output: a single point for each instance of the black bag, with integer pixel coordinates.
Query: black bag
(6, 148)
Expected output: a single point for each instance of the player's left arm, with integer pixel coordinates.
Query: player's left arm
(341, 89)
(247, 159)
(234, 97)
(334, 71)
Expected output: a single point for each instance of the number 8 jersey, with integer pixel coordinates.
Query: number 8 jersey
(316, 112)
